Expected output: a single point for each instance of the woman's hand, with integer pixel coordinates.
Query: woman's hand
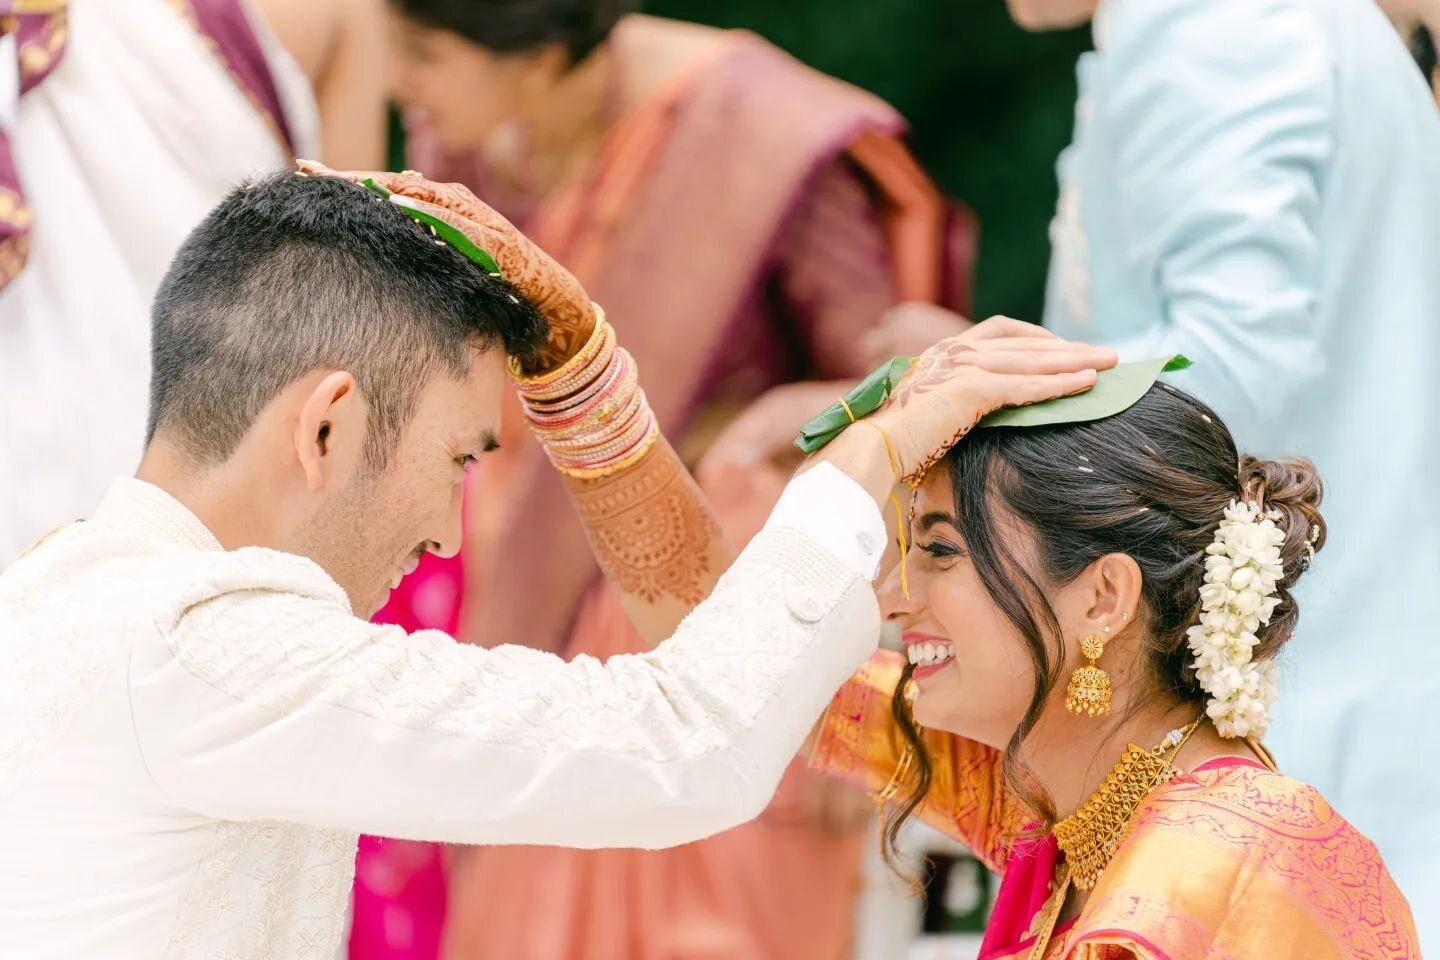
(954, 384)
(540, 279)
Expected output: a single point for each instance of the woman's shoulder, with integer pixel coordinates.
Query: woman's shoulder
(1241, 802)
(660, 53)
(1234, 846)
(1241, 780)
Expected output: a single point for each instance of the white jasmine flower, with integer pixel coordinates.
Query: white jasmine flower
(1243, 570)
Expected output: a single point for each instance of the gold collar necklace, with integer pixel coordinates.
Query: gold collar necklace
(1090, 835)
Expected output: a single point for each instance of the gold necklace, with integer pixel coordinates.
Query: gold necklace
(1090, 836)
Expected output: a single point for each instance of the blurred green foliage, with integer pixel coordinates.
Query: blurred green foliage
(990, 107)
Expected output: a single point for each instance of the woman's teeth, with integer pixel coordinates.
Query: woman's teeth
(395, 580)
(929, 654)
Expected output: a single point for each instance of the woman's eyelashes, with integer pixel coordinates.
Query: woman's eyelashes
(941, 550)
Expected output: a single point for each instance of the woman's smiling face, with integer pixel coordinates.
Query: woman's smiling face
(974, 675)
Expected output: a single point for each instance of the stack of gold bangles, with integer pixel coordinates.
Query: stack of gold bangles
(590, 413)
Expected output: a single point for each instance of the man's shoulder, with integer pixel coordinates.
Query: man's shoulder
(1185, 38)
(109, 576)
(256, 570)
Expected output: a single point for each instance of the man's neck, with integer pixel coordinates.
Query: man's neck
(213, 495)
(1409, 13)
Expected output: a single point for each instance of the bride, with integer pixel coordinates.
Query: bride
(1092, 617)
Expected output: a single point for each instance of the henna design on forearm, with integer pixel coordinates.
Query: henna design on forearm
(652, 530)
(917, 475)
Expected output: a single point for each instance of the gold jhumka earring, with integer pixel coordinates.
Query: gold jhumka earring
(1089, 689)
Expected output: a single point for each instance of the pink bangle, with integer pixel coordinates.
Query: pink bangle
(558, 415)
(591, 415)
(545, 384)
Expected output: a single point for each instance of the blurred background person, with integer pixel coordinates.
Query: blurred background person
(130, 121)
(744, 220)
(342, 47)
(1257, 186)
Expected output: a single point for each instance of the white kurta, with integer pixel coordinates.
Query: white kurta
(1256, 184)
(191, 739)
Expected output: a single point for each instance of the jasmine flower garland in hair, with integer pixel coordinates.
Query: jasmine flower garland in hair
(1243, 570)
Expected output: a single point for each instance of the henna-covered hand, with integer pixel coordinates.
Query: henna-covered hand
(957, 382)
(540, 279)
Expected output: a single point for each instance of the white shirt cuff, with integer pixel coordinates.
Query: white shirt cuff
(835, 512)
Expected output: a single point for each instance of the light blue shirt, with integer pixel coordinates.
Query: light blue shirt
(1256, 184)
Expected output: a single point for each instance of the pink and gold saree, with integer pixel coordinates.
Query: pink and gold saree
(1232, 861)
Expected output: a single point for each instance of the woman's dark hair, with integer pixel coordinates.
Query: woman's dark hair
(1151, 482)
(522, 26)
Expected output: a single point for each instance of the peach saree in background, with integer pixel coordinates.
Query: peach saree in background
(1231, 861)
(676, 231)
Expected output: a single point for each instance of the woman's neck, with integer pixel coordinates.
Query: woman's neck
(566, 133)
(1071, 756)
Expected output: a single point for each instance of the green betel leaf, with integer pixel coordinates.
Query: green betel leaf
(376, 188)
(1115, 390)
(443, 230)
(864, 398)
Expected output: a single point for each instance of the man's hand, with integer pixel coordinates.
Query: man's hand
(540, 279)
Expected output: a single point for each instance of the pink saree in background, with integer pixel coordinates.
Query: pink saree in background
(742, 229)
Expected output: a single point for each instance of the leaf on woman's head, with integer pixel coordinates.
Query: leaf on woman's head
(440, 228)
(1115, 390)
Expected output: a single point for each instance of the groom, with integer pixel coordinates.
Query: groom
(196, 719)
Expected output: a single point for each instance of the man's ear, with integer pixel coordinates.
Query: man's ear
(330, 429)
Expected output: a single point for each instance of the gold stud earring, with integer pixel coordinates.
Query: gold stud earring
(1089, 689)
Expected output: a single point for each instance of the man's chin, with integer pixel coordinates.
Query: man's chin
(373, 606)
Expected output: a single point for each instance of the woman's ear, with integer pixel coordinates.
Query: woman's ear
(1103, 600)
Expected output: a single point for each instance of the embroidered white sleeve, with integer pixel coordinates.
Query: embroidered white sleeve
(836, 513)
(263, 702)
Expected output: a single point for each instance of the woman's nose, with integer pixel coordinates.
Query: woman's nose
(894, 605)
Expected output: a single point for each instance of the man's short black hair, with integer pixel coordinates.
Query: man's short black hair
(291, 274)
